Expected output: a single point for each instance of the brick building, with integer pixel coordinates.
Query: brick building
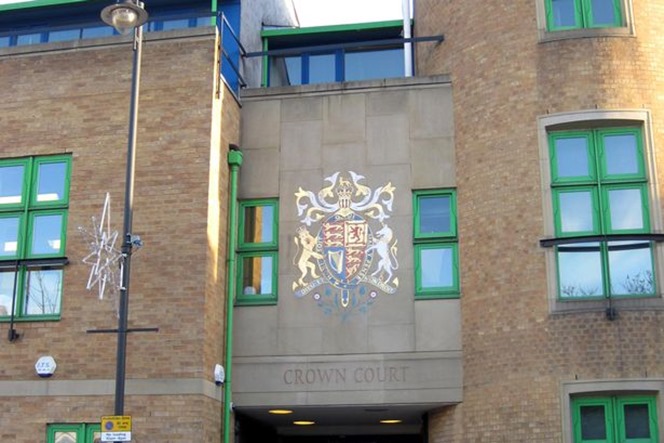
(468, 254)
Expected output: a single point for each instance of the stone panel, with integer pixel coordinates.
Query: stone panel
(366, 379)
(344, 118)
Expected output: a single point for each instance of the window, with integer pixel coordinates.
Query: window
(612, 419)
(326, 54)
(34, 196)
(337, 66)
(73, 433)
(599, 191)
(257, 252)
(576, 14)
(436, 248)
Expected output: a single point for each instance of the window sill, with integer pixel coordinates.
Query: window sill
(561, 307)
(552, 36)
(46, 318)
(436, 296)
(256, 302)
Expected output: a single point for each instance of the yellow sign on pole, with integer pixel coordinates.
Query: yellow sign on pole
(116, 428)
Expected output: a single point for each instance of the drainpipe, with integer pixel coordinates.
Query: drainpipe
(407, 33)
(234, 163)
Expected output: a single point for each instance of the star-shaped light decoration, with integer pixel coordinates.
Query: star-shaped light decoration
(104, 256)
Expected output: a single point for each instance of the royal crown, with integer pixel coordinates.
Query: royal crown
(345, 192)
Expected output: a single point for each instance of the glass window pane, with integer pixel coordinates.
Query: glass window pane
(11, 184)
(28, 39)
(593, 423)
(622, 154)
(630, 268)
(204, 21)
(167, 25)
(580, 270)
(563, 13)
(64, 35)
(97, 32)
(9, 236)
(322, 68)
(46, 234)
(293, 72)
(435, 214)
(42, 292)
(576, 211)
(258, 224)
(436, 268)
(6, 292)
(626, 209)
(65, 437)
(368, 65)
(571, 157)
(257, 275)
(51, 181)
(603, 13)
(637, 422)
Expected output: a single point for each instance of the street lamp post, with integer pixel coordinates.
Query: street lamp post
(127, 16)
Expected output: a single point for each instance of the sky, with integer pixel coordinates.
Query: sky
(328, 12)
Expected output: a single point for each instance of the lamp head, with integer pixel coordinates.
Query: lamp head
(124, 16)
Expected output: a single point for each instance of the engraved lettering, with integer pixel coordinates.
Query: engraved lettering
(288, 376)
(298, 377)
(360, 375)
(381, 374)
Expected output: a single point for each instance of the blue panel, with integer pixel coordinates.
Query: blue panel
(231, 11)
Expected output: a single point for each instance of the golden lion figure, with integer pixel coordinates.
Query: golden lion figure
(305, 264)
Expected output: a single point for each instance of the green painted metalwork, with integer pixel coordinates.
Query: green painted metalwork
(234, 160)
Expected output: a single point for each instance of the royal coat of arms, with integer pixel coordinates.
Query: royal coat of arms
(353, 253)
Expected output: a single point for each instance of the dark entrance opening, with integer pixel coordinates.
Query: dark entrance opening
(354, 439)
(331, 426)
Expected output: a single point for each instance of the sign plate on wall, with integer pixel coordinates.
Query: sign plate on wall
(116, 428)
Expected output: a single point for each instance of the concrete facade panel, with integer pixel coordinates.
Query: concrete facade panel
(344, 118)
(324, 135)
(301, 145)
(263, 183)
(433, 162)
(360, 379)
(263, 135)
(302, 109)
(429, 316)
(387, 140)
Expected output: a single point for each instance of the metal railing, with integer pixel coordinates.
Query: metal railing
(232, 51)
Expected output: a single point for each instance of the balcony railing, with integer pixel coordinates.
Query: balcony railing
(231, 53)
(336, 62)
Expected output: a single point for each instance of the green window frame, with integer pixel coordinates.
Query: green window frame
(613, 419)
(564, 15)
(258, 246)
(599, 188)
(435, 244)
(73, 433)
(34, 204)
